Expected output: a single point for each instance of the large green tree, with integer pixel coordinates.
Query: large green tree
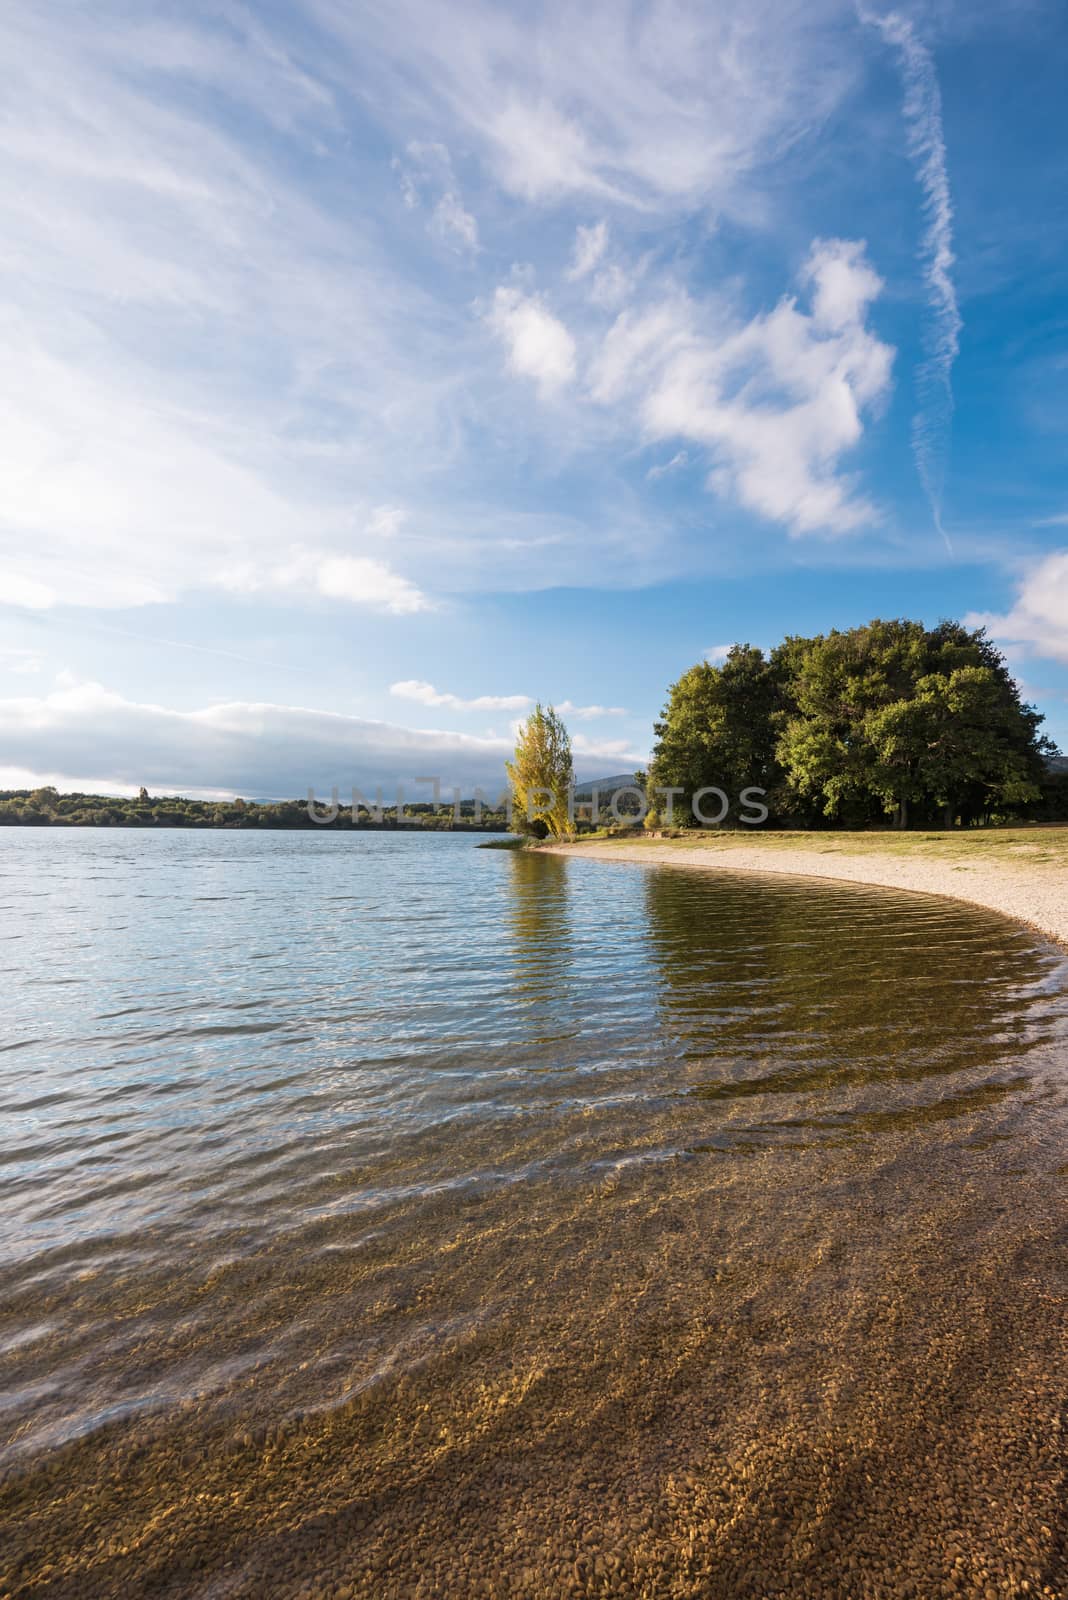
(963, 745)
(885, 720)
(896, 720)
(834, 685)
(717, 731)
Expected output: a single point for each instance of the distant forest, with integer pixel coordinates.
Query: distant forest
(45, 808)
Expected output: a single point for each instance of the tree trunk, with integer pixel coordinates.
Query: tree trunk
(948, 818)
(902, 818)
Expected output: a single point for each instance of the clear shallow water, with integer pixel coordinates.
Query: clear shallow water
(293, 1122)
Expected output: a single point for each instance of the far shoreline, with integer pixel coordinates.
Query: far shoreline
(1032, 893)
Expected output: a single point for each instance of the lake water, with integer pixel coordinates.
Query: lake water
(385, 1216)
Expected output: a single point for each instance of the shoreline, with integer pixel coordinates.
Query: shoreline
(1035, 896)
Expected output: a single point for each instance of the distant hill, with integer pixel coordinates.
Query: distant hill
(1058, 763)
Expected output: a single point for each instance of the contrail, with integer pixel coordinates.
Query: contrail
(927, 148)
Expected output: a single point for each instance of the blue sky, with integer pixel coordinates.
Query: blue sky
(370, 370)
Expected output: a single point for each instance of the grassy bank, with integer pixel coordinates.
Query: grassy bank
(1029, 846)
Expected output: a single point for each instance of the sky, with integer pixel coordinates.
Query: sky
(372, 370)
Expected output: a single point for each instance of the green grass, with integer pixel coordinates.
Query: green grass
(1045, 845)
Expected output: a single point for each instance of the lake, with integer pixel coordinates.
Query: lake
(386, 1216)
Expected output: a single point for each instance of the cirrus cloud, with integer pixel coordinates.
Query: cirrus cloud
(590, 245)
(662, 106)
(927, 148)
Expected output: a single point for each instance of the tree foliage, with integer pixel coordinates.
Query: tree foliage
(886, 720)
(541, 775)
(717, 728)
(47, 808)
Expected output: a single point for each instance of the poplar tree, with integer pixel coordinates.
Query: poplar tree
(541, 775)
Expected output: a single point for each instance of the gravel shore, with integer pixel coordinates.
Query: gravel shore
(1035, 894)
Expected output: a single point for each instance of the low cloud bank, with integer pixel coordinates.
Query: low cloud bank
(88, 737)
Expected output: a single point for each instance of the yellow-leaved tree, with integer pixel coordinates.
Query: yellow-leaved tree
(541, 775)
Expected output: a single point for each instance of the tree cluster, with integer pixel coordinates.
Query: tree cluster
(891, 721)
(45, 807)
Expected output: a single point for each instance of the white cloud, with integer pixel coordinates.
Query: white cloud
(843, 284)
(718, 654)
(224, 358)
(369, 583)
(590, 713)
(83, 736)
(611, 287)
(538, 344)
(385, 522)
(543, 153)
(1038, 620)
(76, 783)
(86, 737)
(927, 147)
(777, 401)
(592, 753)
(426, 694)
(113, 496)
(27, 592)
(679, 459)
(590, 245)
(209, 373)
(23, 663)
(610, 283)
(454, 224)
(637, 346)
(427, 176)
(619, 751)
(667, 106)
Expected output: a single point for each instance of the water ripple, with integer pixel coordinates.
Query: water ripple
(305, 1044)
